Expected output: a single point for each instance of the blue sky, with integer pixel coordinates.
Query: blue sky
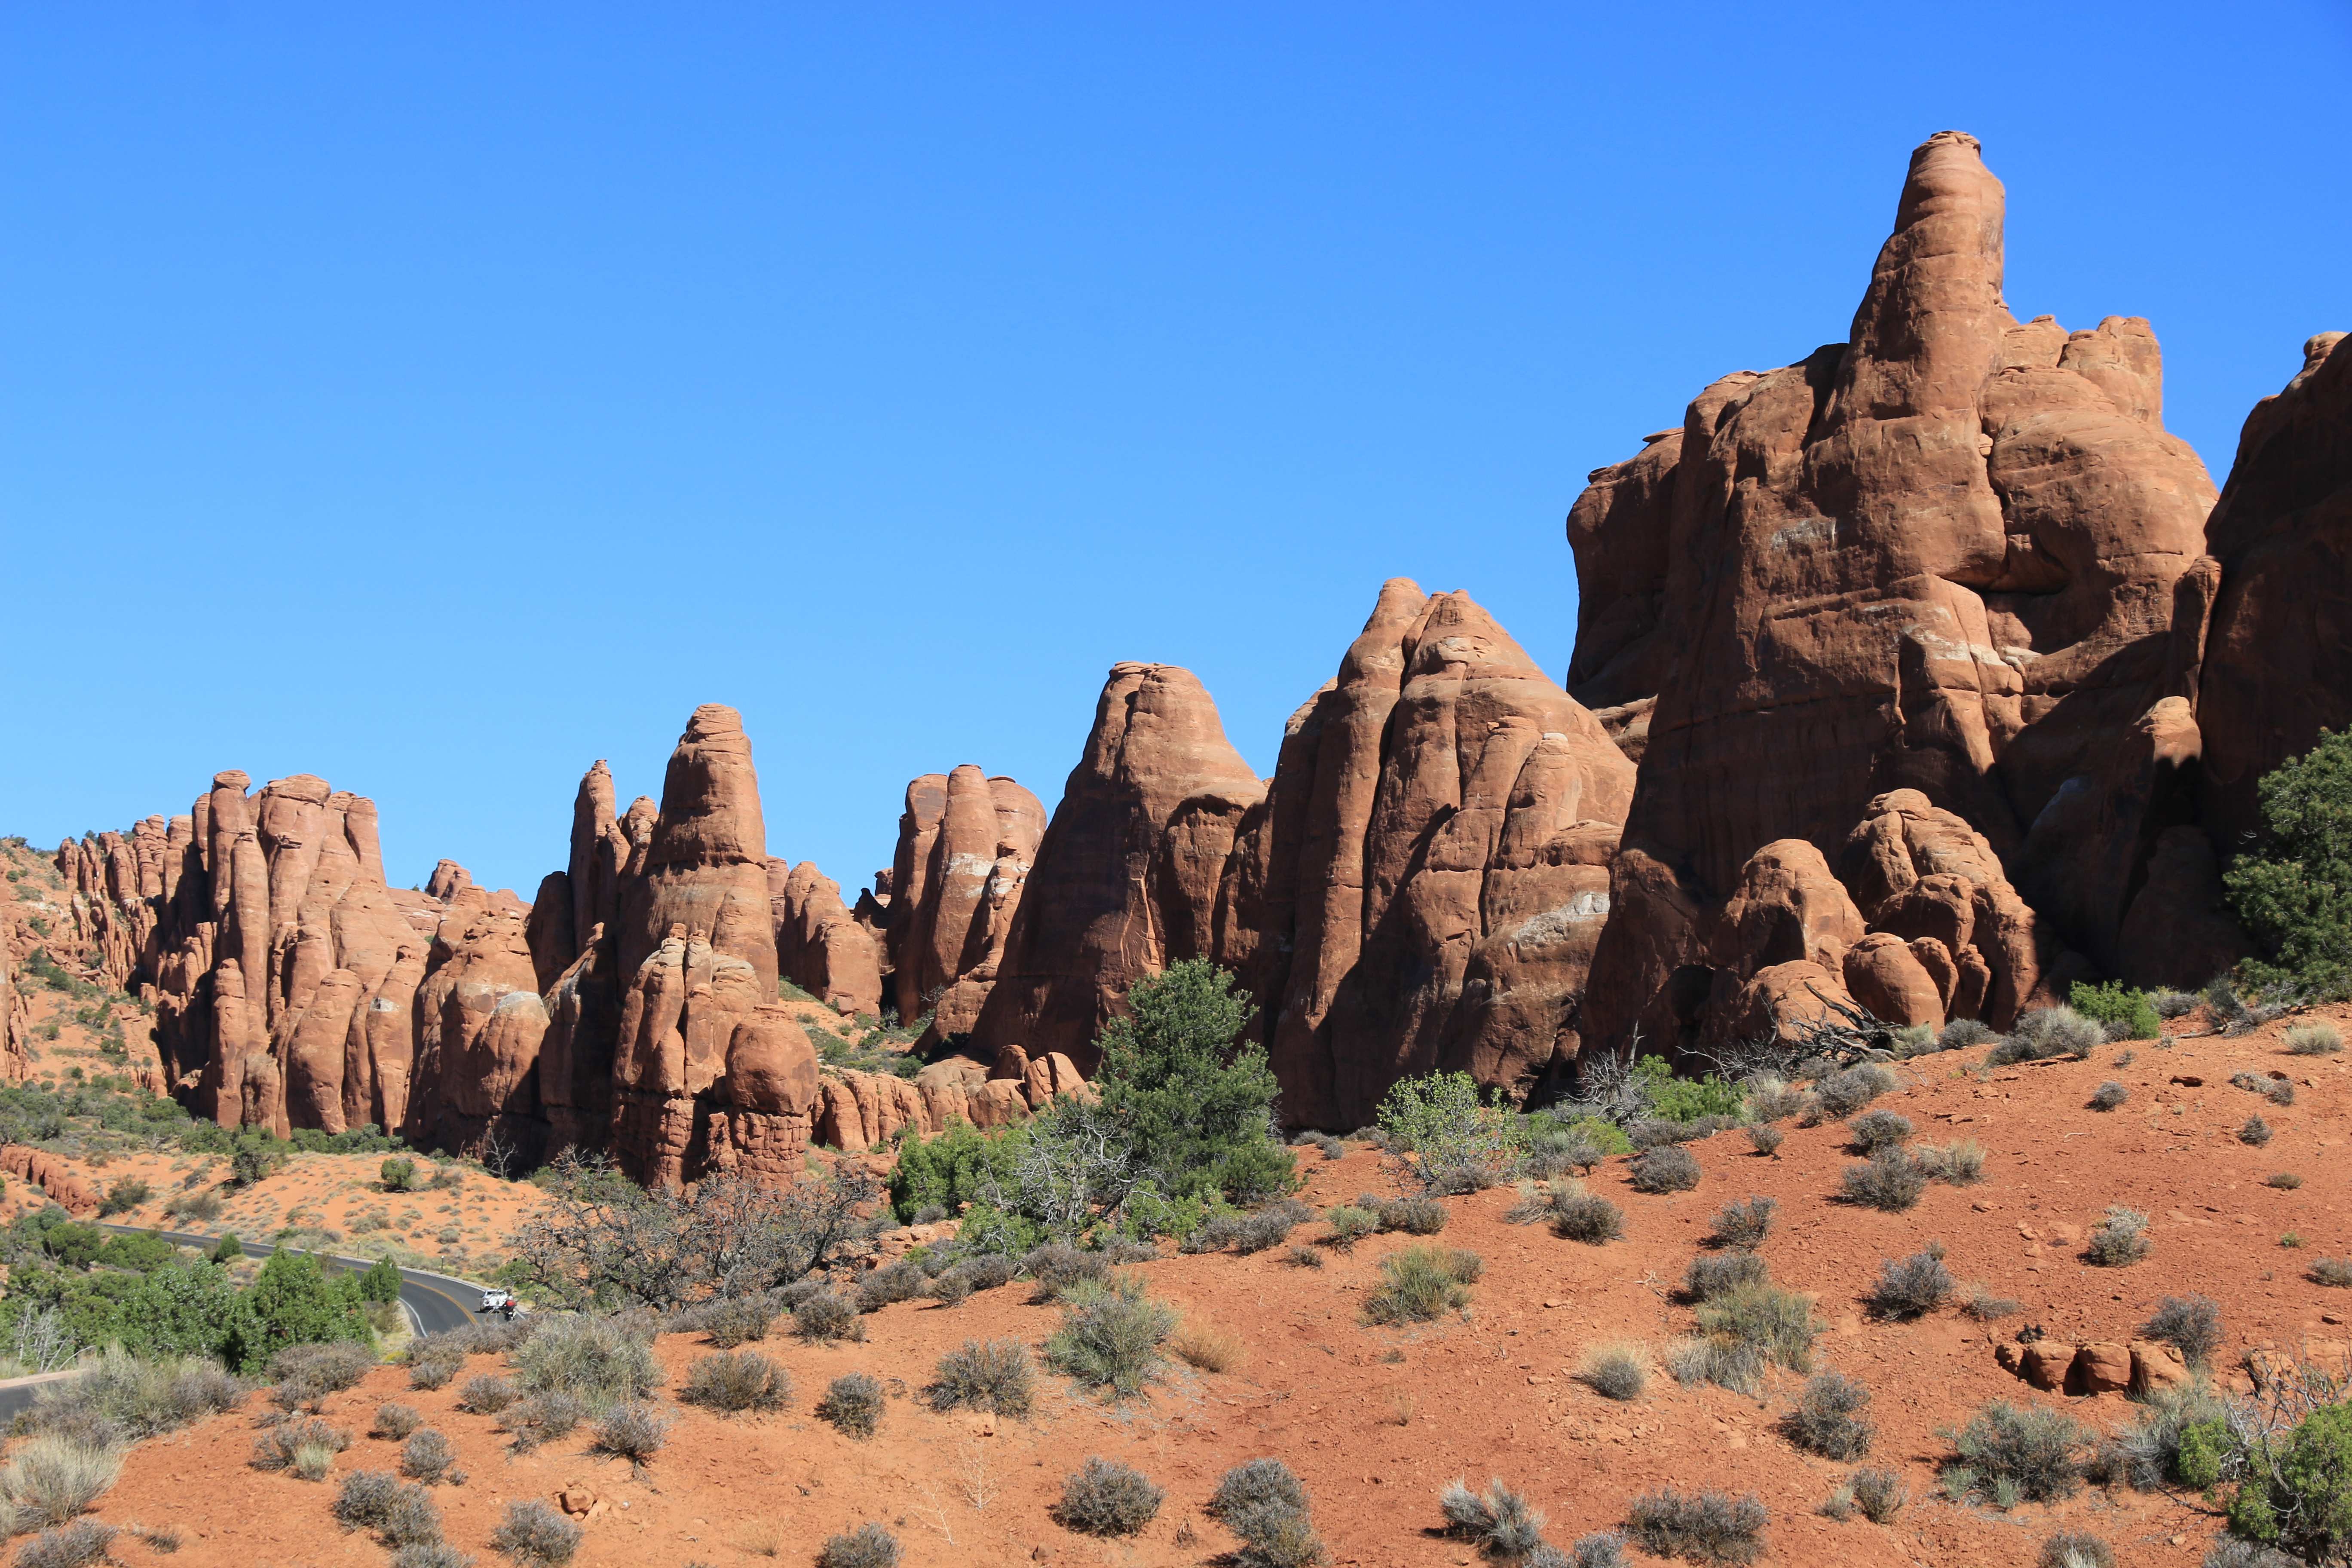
(438, 400)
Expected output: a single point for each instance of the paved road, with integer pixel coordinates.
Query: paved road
(435, 1302)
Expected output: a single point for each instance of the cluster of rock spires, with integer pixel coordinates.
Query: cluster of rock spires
(1925, 675)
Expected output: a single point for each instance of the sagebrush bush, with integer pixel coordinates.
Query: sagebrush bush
(1614, 1371)
(121, 1396)
(395, 1421)
(1349, 1223)
(731, 1382)
(1745, 1331)
(486, 1395)
(2284, 1181)
(1743, 1225)
(1913, 1287)
(2192, 1324)
(426, 1457)
(867, 1546)
(2332, 1271)
(433, 1366)
(994, 1376)
(541, 1418)
(733, 1320)
(1262, 1502)
(1267, 1227)
(431, 1554)
(1766, 1139)
(1828, 1417)
(2147, 1453)
(1985, 1307)
(400, 1511)
(1422, 1284)
(1961, 1034)
(302, 1375)
(1588, 1217)
(900, 1281)
(853, 1404)
(81, 1544)
(2075, 1549)
(1601, 1549)
(53, 1477)
(1700, 1527)
(631, 1432)
(2256, 1132)
(2046, 1032)
(536, 1535)
(2109, 1095)
(1877, 1130)
(1843, 1093)
(1421, 1215)
(1667, 1168)
(1498, 1520)
(1879, 1494)
(1111, 1337)
(276, 1448)
(1107, 1498)
(601, 1361)
(822, 1319)
(2015, 1452)
(1713, 1274)
(1303, 1258)
(1891, 1180)
(1057, 1265)
(2119, 1238)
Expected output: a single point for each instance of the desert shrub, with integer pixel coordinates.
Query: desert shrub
(306, 1373)
(1449, 1136)
(1667, 1168)
(2123, 1013)
(123, 1397)
(1350, 1224)
(535, 1535)
(2190, 1324)
(1573, 1214)
(124, 1196)
(81, 1544)
(853, 1402)
(1111, 1337)
(1845, 1092)
(2119, 1238)
(867, 1546)
(1828, 1417)
(2332, 1271)
(2284, 1181)
(1698, 1527)
(2256, 1132)
(1879, 1494)
(900, 1281)
(1985, 1307)
(1201, 1343)
(54, 1477)
(395, 1421)
(2046, 1033)
(2147, 1453)
(1303, 1258)
(1267, 1227)
(431, 1366)
(1891, 1179)
(400, 1511)
(1057, 1265)
(1419, 1285)
(1959, 1164)
(1961, 1034)
(485, 1395)
(2292, 891)
(426, 1457)
(2280, 1092)
(541, 1418)
(1744, 1225)
(1499, 1521)
(1771, 1098)
(600, 1361)
(2231, 1552)
(2075, 1548)
(1752, 1327)
(1912, 1287)
(1557, 1146)
(398, 1174)
(1720, 1273)
(734, 1381)
(1766, 1139)
(2109, 1095)
(631, 1432)
(732, 1321)
(1422, 1215)
(1105, 1497)
(2015, 1452)
(993, 1375)
(1877, 1130)
(824, 1318)
(2313, 1039)
(276, 1447)
(431, 1554)
(1614, 1371)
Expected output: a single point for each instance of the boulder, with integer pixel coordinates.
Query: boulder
(2156, 1365)
(2101, 1369)
(2047, 1363)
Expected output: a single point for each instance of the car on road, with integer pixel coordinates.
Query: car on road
(498, 1301)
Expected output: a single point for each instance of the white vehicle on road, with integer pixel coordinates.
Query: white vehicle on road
(496, 1302)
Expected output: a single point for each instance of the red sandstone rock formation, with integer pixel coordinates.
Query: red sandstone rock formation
(820, 946)
(16, 1008)
(1941, 557)
(2278, 664)
(1426, 882)
(1130, 876)
(51, 1174)
(966, 845)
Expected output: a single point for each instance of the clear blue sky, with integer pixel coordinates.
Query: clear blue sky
(439, 399)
